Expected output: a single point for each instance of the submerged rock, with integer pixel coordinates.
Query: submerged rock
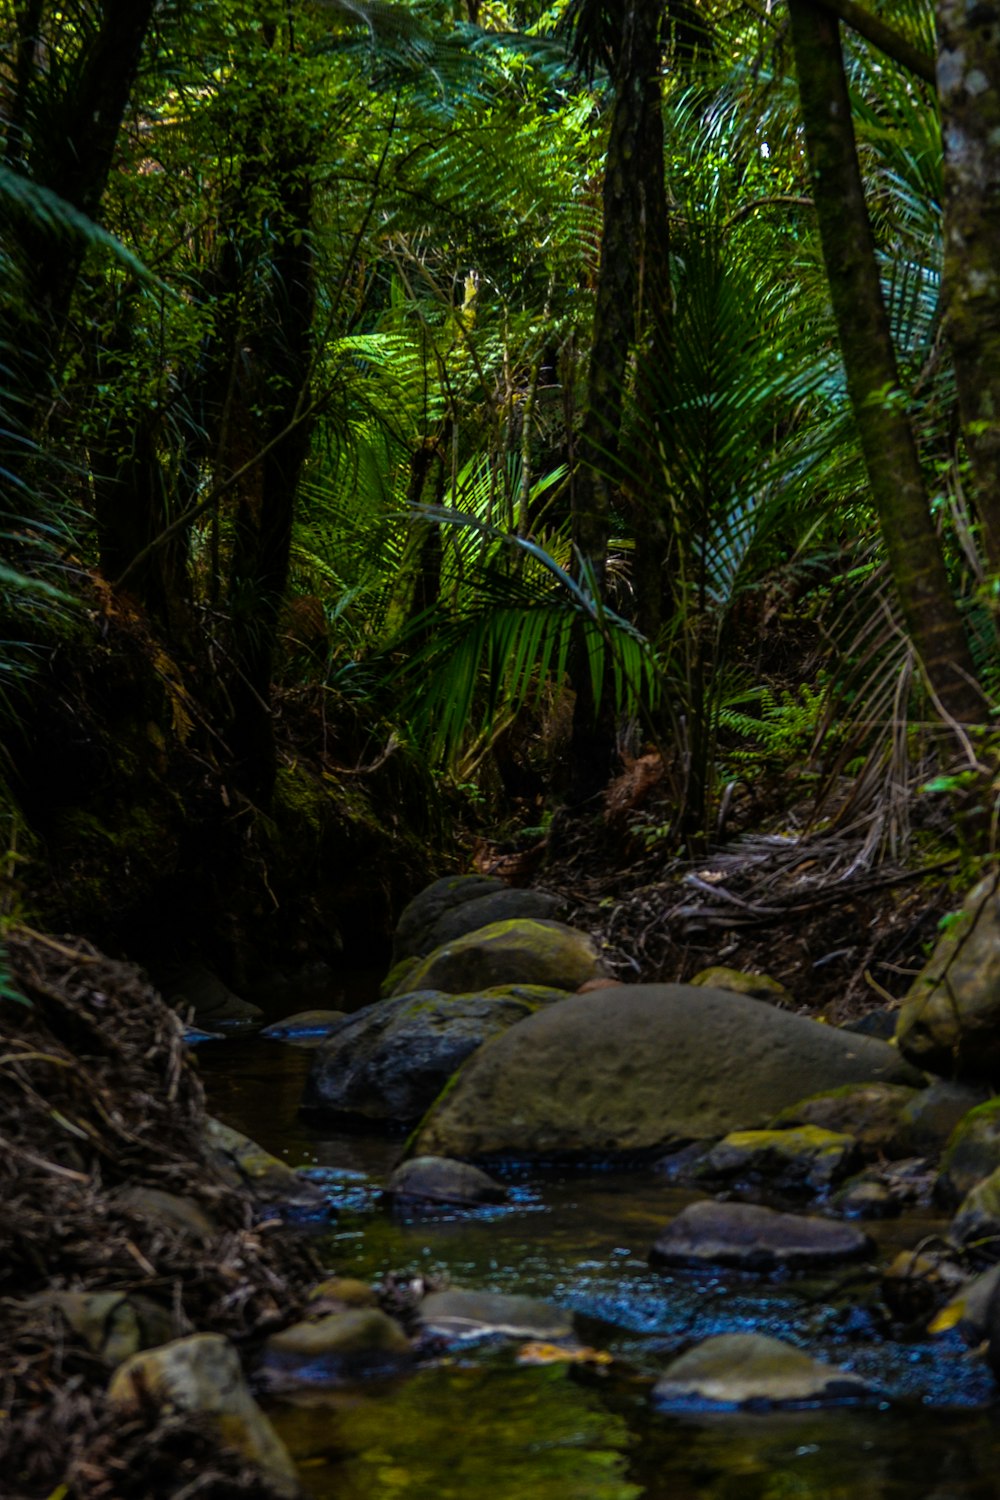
(639, 1067)
(753, 1370)
(307, 1028)
(429, 906)
(202, 1374)
(752, 1238)
(391, 1060)
(511, 952)
(950, 1020)
(459, 1314)
(804, 1158)
(437, 1179)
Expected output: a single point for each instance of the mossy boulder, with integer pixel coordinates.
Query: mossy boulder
(641, 1067)
(270, 1180)
(976, 1225)
(429, 905)
(518, 951)
(950, 1020)
(870, 1112)
(751, 1369)
(757, 986)
(389, 1061)
(972, 1153)
(804, 1158)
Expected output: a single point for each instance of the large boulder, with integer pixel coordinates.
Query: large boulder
(751, 1369)
(519, 951)
(950, 1020)
(392, 1059)
(429, 906)
(749, 1237)
(639, 1067)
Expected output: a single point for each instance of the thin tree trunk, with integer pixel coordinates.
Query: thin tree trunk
(636, 91)
(969, 90)
(887, 441)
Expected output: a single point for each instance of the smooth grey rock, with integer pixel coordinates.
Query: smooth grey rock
(950, 1019)
(750, 1369)
(181, 1215)
(392, 1059)
(113, 1325)
(639, 1067)
(866, 1197)
(495, 906)
(438, 1179)
(753, 1238)
(459, 1314)
(202, 1374)
(519, 951)
(430, 904)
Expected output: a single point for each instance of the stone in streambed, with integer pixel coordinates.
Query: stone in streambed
(390, 1061)
(437, 1179)
(429, 905)
(188, 985)
(976, 1225)
(751, 1238)
(870, 1112)
(752, 1370)
(461, 1315)
(641, 1067)
(512, 952)
(270, 1180)
(202, 1375)
(804, 1158)
(353, 1342)
(496, 906)
(307, 1028)
(972, 1153)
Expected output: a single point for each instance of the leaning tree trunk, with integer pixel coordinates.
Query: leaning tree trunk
(627, 197)
(897, 484)
(969, 89)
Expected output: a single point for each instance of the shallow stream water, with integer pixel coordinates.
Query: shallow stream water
(476, 1424)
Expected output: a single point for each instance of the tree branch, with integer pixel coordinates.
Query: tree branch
(886, 38)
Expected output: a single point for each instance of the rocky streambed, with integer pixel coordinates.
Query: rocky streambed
(510, 1227)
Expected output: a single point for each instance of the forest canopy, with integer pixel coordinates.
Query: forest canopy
(453, 363)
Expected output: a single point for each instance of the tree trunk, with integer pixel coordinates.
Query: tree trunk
(969, 90)
(887, 441)
(630, 205)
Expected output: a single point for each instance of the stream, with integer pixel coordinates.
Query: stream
(476, 1423)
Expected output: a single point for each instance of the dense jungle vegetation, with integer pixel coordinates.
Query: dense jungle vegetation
(414, 409)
